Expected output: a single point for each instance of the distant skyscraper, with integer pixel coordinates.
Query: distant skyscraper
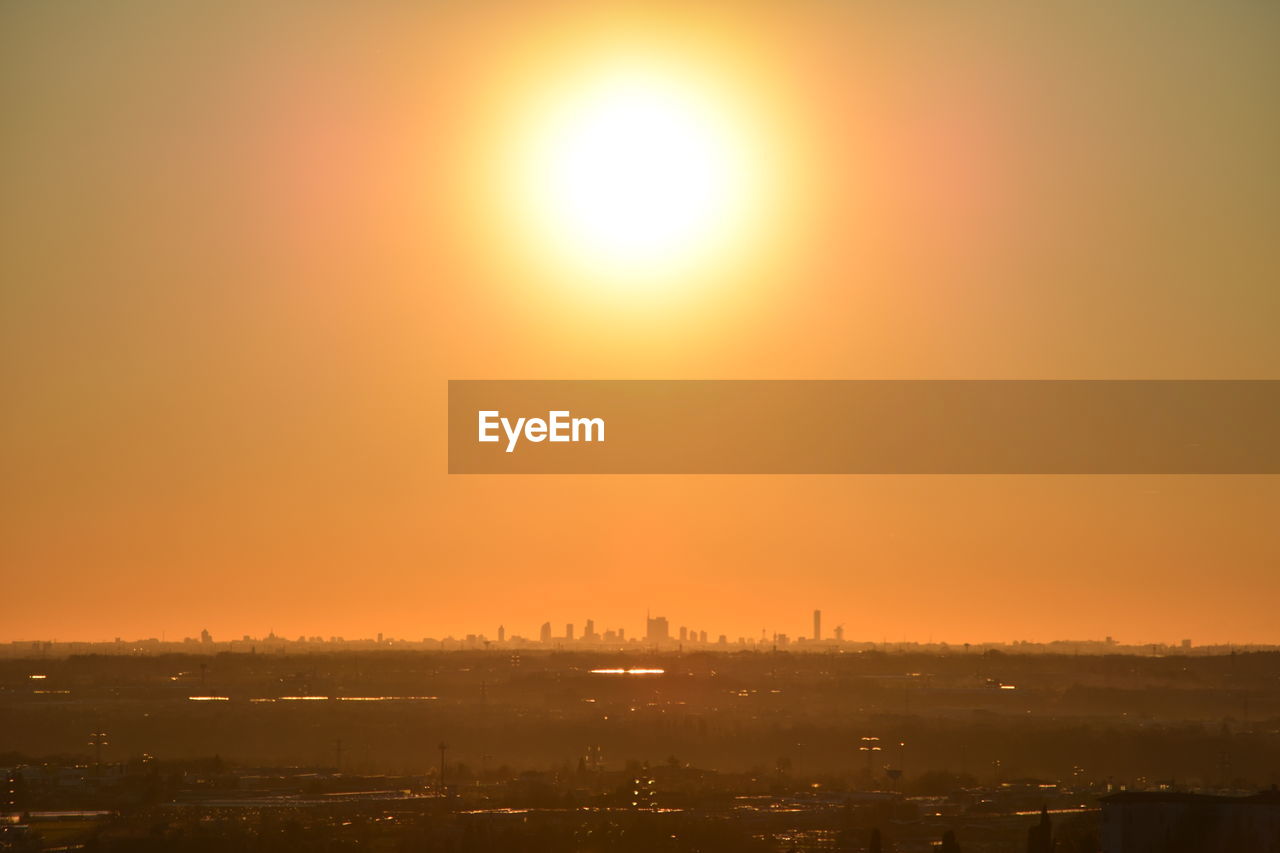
(839, 632)
(657, 630)
(568, 631)
(502, 634)
(817, 625)
(589, 631)
(545, 634)
(684, 634)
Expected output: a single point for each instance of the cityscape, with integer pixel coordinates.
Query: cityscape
(659, 633)
(588, 742)
(642, 426)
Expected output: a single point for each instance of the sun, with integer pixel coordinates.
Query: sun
(636, 173)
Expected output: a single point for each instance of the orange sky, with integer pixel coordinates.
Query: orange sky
(242, 250)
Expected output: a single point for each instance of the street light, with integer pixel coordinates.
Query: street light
(98, 740)
(870, 745)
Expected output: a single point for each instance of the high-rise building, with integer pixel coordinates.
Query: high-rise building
(502, 634)
(589, 631)
(568, 632)
(684, 634)
(817, 625)
(839, 632)
(545, 634)
(657, 629)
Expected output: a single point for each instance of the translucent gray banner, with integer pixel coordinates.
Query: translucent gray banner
(864, 427)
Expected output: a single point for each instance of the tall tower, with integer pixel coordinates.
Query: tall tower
(502, 634)
(817, 625)
(544, 635)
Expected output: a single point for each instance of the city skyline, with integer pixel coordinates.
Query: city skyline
(658, 633)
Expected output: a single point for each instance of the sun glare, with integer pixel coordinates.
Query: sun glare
(635, 173)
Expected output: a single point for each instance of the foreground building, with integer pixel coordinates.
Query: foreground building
(1160, 822)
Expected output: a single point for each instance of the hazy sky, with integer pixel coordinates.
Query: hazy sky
(243, 246)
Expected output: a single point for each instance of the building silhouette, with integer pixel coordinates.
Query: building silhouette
(1158, 820)
(657, 629)
(1040, 836)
